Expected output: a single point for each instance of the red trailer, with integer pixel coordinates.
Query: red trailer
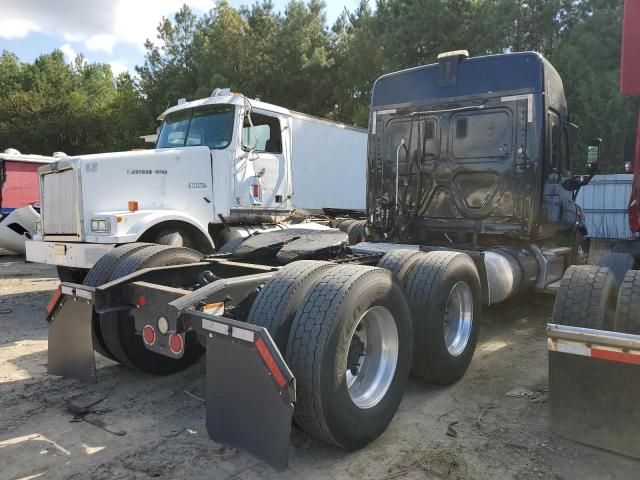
(19, 197)
(630, 85)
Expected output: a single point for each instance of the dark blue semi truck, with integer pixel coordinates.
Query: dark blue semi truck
(470, 201)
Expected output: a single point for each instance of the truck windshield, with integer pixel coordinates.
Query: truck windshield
(211, 125)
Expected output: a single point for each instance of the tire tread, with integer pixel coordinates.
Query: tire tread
(579, 299)
(308, 338)
(628, 306)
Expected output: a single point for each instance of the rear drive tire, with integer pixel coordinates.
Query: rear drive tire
(356, 232)
(399, 263)
(104, 267)
(618, 263)
(277, 303)
(174, 238)
(628, 306)
(344, 225)
(353, 317)
(443, 290)
(231, 245)
(586, 298)
(118, 329)
(100, 274)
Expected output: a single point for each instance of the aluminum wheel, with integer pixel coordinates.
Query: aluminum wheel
(372, 358)
(458, 318)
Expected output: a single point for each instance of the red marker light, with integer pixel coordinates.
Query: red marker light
(149, 335)
(270, 362)
(176, 343)
(57, 293)
(255, 190)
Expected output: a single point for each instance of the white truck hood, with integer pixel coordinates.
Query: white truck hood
(177, 179)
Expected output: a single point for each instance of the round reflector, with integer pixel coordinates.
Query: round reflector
(176, 344)
(163, 325)
(149, 335)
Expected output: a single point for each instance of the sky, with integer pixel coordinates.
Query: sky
(107, 31)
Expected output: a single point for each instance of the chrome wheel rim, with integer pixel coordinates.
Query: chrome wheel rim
(458, 318)
(372, 357)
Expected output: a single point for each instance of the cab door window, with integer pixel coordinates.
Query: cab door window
(264, 136)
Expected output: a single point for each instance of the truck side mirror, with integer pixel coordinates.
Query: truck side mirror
(572, 184)
(593, 155)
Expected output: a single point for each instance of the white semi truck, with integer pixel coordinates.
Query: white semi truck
(223, 167)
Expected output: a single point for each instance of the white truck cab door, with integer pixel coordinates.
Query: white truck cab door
(261, 166)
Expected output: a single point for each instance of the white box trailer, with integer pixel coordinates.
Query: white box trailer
(323, 151)
(223, 166)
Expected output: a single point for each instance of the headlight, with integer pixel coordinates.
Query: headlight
(98, 225)
(39, 227)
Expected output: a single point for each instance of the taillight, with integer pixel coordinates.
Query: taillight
(176, 343)
(149, 335)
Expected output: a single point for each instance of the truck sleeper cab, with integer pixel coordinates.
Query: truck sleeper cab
(223, 167)
(472, 147)
(462, 212)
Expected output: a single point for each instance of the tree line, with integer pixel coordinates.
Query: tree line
(295, 60)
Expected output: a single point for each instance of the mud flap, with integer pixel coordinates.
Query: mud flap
(593, 387)
(70, 339)
(250, 391)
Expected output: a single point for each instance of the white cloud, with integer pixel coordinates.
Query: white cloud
(118, 67)
(69, 52)
(16, 27)
(71, 37)
(100, 24)
(101, 42)
(135, 22)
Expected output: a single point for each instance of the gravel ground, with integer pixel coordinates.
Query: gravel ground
(153, 427)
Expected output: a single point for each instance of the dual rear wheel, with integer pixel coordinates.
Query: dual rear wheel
(443, 290)
(345, 332)
(351, 334)
(114, 334)
(600, 297)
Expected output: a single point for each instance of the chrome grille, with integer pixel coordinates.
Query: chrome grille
(60, 203)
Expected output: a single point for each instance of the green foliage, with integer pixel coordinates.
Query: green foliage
(77, 108)
(588, 59)
(292, 59)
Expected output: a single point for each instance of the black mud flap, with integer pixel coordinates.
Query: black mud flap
(70, 341)
(594, 388)
(250, 390)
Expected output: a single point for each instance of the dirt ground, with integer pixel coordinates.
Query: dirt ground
(151, 427)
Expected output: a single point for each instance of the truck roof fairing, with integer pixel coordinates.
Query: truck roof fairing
(516, 73)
